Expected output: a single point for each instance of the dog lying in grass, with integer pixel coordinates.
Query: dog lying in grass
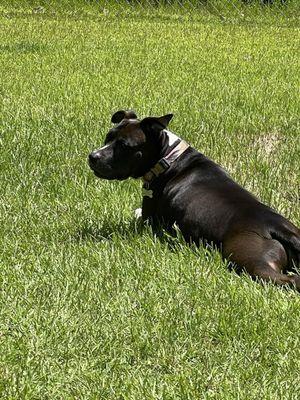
(183, 186)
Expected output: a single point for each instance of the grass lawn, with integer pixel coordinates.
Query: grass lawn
(91, 305)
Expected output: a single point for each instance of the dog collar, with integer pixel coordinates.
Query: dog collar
(161, 166)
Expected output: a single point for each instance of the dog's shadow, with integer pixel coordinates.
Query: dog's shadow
(108, 229)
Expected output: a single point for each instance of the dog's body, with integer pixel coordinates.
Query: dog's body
(183, 186)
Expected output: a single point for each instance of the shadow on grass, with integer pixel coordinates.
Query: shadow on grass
(108, 230)
(128, 230)
(22, 48)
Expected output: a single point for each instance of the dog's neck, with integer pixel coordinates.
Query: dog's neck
(168, 140)
(171, 148)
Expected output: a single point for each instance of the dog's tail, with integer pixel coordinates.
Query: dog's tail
(289, 236)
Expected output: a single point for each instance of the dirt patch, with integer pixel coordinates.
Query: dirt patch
(268, 143)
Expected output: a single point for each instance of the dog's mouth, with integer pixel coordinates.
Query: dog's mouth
(107, 173)
(100, 171)
(102, 174)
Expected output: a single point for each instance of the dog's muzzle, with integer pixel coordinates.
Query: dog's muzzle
(94, 156)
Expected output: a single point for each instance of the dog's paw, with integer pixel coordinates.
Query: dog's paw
(138, 213)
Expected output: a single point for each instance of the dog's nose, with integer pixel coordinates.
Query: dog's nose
(93, 157)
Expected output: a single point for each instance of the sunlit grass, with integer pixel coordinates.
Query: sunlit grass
(93, 306)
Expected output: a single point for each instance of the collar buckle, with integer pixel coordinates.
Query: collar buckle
(164, 163)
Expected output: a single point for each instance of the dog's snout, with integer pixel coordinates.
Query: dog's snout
(94, 156)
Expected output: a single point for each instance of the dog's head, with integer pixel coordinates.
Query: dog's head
(130, 148)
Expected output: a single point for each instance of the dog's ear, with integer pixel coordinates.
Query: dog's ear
(156, 123)
(123, 114)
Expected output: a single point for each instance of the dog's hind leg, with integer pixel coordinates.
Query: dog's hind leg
(261, 257)
(289, 236)
(268, 274)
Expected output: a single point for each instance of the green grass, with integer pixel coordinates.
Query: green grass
(92, 305)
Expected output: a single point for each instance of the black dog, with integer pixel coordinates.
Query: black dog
(183, 186)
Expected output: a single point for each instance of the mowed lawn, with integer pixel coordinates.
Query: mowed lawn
(93, 306)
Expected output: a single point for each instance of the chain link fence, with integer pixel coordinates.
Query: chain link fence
(225, 10)
(284, 12)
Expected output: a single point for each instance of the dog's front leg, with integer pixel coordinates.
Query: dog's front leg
(150, 215)
(149, 209)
